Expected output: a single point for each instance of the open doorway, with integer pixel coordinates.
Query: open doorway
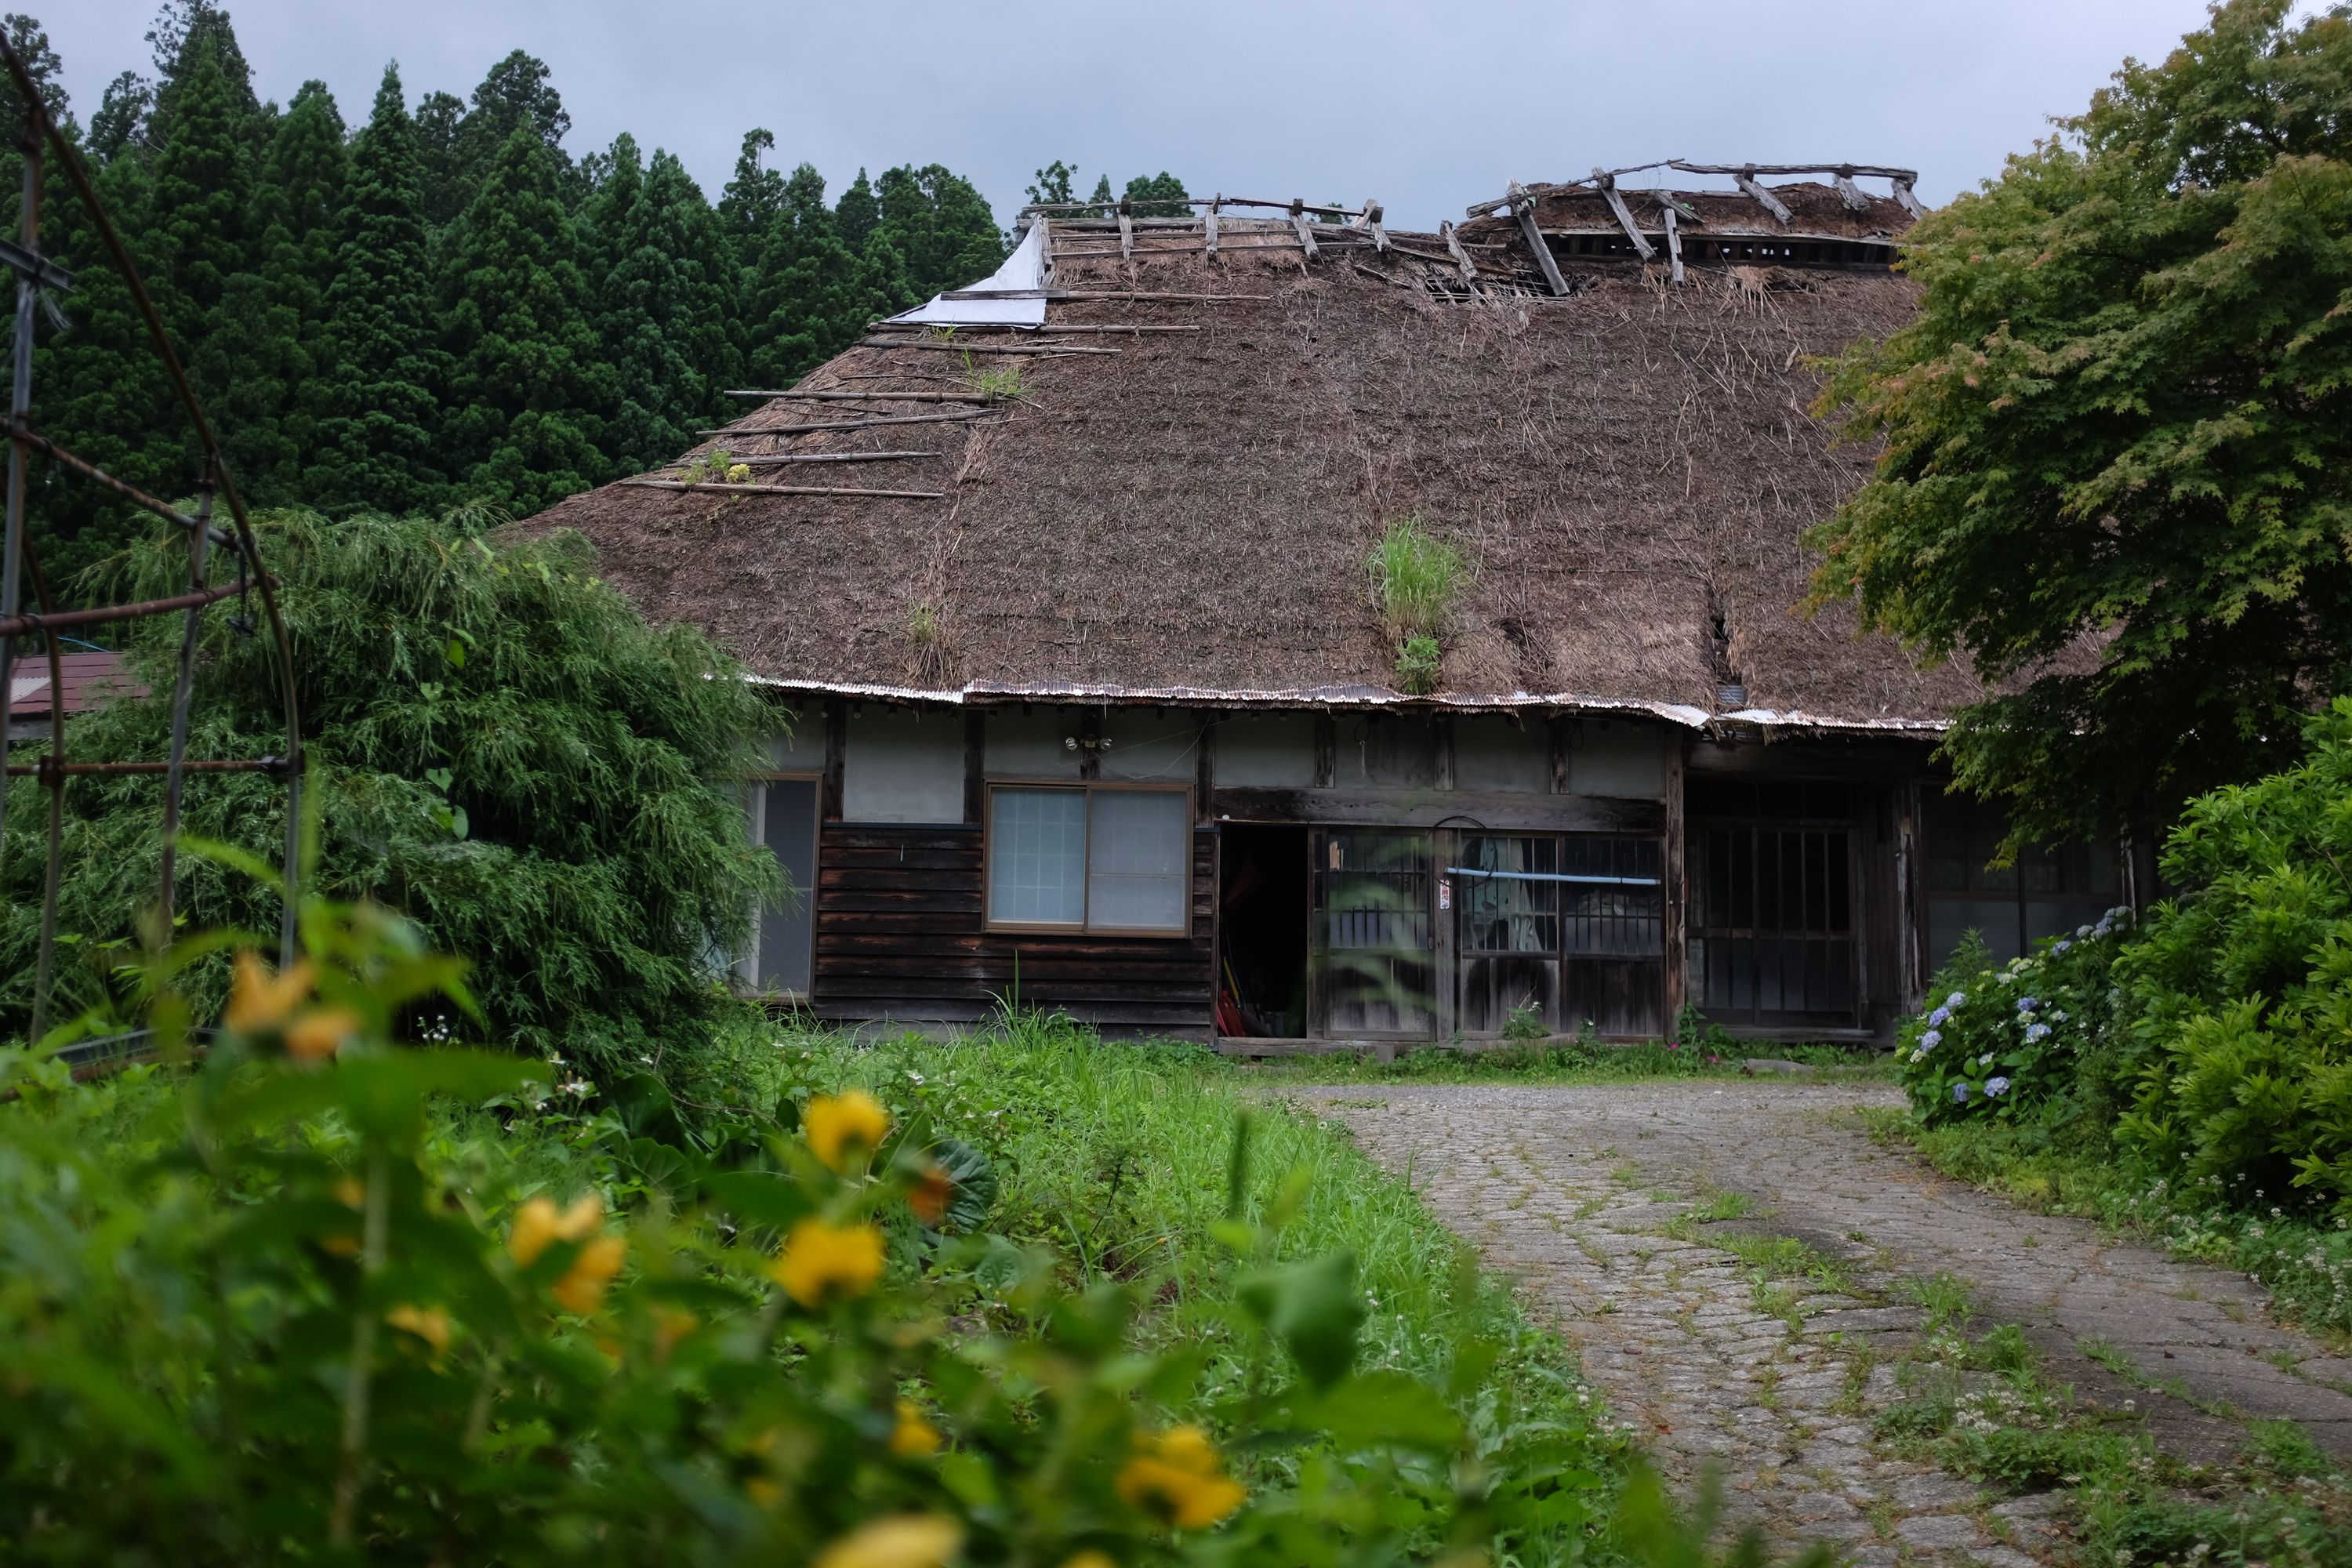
(1262, 926)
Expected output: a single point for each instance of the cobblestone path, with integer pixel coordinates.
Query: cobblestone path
(1587, 1194)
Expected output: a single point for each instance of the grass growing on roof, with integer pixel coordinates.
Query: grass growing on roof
(1415, 577)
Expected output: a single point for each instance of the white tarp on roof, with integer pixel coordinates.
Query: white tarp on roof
(1024, 271)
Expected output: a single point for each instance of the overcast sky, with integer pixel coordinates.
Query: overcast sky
(1426, 106)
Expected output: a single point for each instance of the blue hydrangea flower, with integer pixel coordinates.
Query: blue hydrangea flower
(1931, 1039)
(1956, 999)
(2060, 945)
(2082, 931)
(2037, 1032)
(2028, 1004)
(1960, 1094)
(1995, 1087)
(1939, 1018)
(1984, 1060)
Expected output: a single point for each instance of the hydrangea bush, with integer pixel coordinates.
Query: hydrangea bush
(1999, 1037)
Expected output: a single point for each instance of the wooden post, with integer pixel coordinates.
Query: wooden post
(1673, 247)
(1523, 207)
(1372, 220)
(1442, 748)
(1090, 743)
(1461, 256)
(1676, 876)
(1209, 222)
(975, 766)
(1746, 180)
(836, 747)
(1299, 222)
(1852, 194)
(1556, 731)
(1327, 752)
(1910, 901)
(1903, 193)
(1204, 766)
(1125, 232)
(1608, 184)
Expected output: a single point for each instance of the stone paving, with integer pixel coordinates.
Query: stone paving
(1580, 1193)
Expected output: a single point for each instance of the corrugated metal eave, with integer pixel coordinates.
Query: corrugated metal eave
(985, 693)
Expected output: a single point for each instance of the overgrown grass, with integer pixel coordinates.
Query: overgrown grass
(2304, 1259)
(1415, 575)
(1983, 1408)
(1565, 1061)
(1121, 1158)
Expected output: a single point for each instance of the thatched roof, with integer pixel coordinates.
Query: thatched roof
(1628, 468)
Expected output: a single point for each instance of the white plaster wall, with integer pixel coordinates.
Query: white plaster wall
(1621, 757)
(1386, 751)
(902, 764)
(1265, 751)
(1156, 748)
(1492, 752)
(1031, 745)
(798, 744)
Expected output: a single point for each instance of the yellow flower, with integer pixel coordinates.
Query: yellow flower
(900, 1541)
(1179, 1480)
(913, 1437)
(738, 472)
(539, 1225)
(259, 1002)
(581, 1289)
(430, 1324)
(824, 1263)
(319, 1032)
(844, 1129)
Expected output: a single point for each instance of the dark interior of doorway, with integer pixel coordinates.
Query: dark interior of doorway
(1264, 911)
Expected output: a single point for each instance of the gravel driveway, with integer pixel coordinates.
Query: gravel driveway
(1577, 1191)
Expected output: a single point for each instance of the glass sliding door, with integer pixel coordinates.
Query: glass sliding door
(783, 822)
(1373, 925)
(1569, 926)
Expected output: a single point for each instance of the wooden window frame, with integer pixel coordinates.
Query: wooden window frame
(816, 866)
(1085, 926)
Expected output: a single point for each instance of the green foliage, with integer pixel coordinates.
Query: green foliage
(269, 1308)
(1415, 575)
(600, 857)
(666, 300)
(430, 313)
(996, 381)
(1525, 1023)
(2242, 994)
(1419, 662)
(381, 427)
(2003, 1040)
(1158, 196)
(528, 386)
(2123, 414)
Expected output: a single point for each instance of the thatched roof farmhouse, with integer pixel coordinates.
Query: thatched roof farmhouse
(1088, 542)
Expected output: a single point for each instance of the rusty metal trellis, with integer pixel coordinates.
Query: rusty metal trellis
(39, 138)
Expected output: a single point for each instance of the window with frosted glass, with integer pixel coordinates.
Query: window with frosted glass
(1037, 856)
(1135, 866)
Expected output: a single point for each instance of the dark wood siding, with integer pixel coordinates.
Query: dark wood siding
(900, 934)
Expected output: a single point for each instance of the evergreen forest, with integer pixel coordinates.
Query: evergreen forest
(434, 303)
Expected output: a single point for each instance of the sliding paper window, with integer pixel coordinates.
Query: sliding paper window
(1095, 858)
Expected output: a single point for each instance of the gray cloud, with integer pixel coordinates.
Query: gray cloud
(1374, 97)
